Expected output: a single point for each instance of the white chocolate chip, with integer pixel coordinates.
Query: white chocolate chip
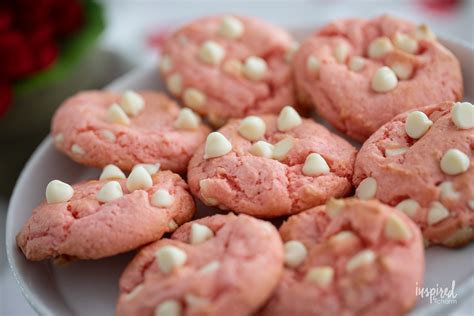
(231, 28)
(109, 192)
(165, 64)
(295, 253)
(134, 293)
(403, 71)
(168, 308)
(150, 168)
(262, 149)
(252, 127)
(200, 233)
(254, 68)
(234, 67)
(172, 225)
(216, 145)
(315, 165)
(59, 138)
(334, 207)
(132, 103)
(437, 213)
(379, 47)
(312, 65)
(447, 191)
(116, 115)
(342, 237)
(268, 227)
(210, 267)
(58, 192)
(356, 63)
(281, 149)
(384, 80)
(406, 43)
(340, 52)
(454, 162)
(322, 276)
(462, 115)
(112, 172)
(193, 300)
(288, 119)
(408, 206)
(389, 152)
(194, 98)
(162, 198)
(174, 83)
(211, 53)
(78, 150)
(203, 188)
(139, 179)
(294, 46)
(470, 203)
(187, 119)
(367, 189)
(417, 124)
(395, 228)
(169, 257)
(365, 257)
(424, 32)
(109, 135)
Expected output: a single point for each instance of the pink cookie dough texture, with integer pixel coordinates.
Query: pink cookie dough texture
(266, 187)
(249, 257)
(150, 137)
(416, 174)
(383, 286)
(85, 228)
(345, 97)
(228, 93)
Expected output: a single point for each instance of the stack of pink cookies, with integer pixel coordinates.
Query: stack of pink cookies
(356, 222)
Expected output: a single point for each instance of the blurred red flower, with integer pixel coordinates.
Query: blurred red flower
(16, 59)
(29, 34)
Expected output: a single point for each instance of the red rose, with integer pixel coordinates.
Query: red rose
(40, 36)
(29, 30)
(67, 17)
(46, 55)
(5, 19)
(16, 58)
(32, 14)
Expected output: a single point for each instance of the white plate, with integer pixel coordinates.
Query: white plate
(91, 287)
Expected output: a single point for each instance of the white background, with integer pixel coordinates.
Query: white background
(129, 23)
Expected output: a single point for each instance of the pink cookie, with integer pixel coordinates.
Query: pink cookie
(218, 265)
(101, 218)
(351, 257)
(278, 173)
(422, 163)
(225, 66)
(140, 128)
(341, 71)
